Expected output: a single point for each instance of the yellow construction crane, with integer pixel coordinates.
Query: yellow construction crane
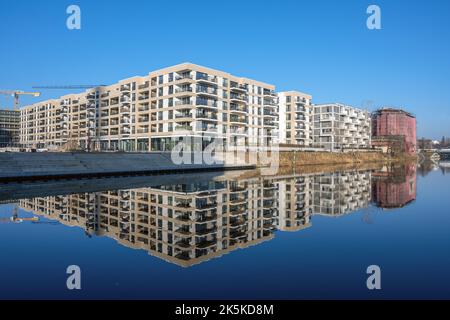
(16, 94)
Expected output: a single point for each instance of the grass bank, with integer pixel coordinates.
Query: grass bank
(302, 158)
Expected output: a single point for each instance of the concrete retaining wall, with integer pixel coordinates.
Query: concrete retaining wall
(22, 166)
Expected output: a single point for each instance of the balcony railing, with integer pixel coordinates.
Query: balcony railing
(206, 77)
(183, 128)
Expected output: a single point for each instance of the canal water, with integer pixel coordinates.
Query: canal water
(233, 235)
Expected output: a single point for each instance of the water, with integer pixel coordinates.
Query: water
(233, 235)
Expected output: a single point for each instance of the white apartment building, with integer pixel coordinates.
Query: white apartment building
(153, 112)
(295, 118)
(337, 126)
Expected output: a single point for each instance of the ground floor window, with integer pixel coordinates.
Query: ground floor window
(142, 145)
(127, 145)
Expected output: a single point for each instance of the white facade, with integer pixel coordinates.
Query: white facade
(337, 127)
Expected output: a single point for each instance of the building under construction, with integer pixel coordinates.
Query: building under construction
(394, 130)
(9, 128)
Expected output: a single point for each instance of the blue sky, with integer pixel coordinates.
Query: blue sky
(321, 47)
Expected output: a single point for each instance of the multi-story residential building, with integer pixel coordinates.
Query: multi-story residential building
(9, 128)
(154, 112)
(337, 126)
(394, 129)
(295, 118)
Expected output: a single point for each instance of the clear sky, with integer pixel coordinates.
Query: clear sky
(321, 47)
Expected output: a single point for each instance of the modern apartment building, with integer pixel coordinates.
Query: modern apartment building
(153, 112)
(295, 118)
(337, 126)
(9, 128)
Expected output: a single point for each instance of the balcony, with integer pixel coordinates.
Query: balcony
(205, 77)
(184, 90)
(239, 120)
(144, 97)
(206, 115)
(238, 108)
(238, 87)
(125, 88)
(269, 93)
(184, 218)
(183, 128)
(125, 99)
(183, 203)
(183, 103)
(239, 97)
(207, 128)
(144, 86)
(207, 103)
(239, 131)
(270, 113)
(125, 110)
(201, 90)
(182, 77)
(205, 231)
(181, 115)
(143, 107)
(143, 130)
(206, 218)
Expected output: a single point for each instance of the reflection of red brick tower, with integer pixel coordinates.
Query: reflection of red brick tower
(395, 123)
(394, 188)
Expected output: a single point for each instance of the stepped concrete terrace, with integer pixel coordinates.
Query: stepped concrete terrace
(47, 165)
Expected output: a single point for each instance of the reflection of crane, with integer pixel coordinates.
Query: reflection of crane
(16, 94)
(15, 218)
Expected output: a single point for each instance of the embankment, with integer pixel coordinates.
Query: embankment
(48, 165)
(302, 158)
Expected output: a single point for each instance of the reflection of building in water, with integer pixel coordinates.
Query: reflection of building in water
(425, 167)
(189, 223)
(184, 224)
(294, 203)
(342, 192)
(394, 187)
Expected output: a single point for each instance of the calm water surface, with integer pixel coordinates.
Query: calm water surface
(231, 236)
